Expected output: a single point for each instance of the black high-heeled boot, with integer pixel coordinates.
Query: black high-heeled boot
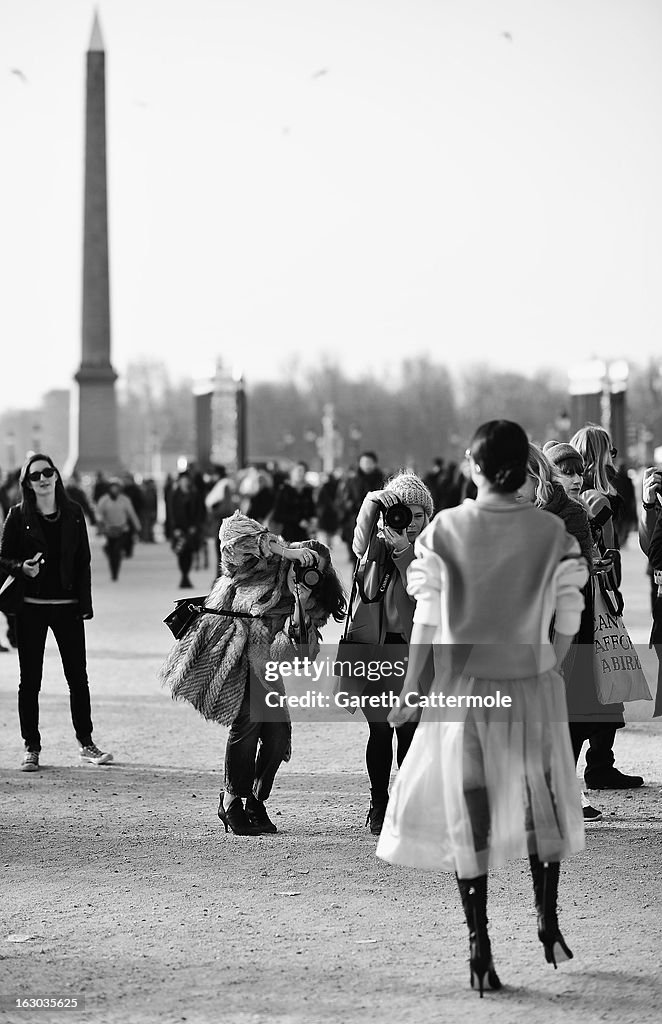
(473, 892)
(546, 889)
(235, 818)
(257, 815)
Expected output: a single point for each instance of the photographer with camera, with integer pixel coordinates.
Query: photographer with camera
(278, 595)
(388, 523)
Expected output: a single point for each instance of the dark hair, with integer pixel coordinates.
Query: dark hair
(28, 496)
(369, 455)
(329, 593)
(501, 449)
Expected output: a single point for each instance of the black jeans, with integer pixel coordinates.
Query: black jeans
(114, 549)
(600, 736)
(248, 770)
(185, 561)
(32, 624)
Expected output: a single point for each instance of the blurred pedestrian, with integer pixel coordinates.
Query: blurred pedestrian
(45, 546)
(134, 493)
(221, 502)
(650, 541)
(326, 512)
(185, 525)
(293, 515)
(351, 492)
(148, 511)
(74, 489)
(115, 518)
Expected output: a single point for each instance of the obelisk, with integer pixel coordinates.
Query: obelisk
(94, 436)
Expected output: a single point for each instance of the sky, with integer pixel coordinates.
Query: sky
(355, 180)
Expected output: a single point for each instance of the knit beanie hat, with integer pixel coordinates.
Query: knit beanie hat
(558, 451)
(411, 490)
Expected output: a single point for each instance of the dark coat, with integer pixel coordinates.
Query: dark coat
(575, 519)
(23, 538)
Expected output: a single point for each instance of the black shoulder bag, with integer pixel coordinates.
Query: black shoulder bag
(188, 611)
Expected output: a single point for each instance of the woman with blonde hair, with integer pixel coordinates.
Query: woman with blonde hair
(546, 487)
(599, 721)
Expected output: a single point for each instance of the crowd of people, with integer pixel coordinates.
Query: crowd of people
(484, 579)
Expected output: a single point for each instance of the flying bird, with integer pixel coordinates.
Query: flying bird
(507, 35)
(320, 73)
(19, 74)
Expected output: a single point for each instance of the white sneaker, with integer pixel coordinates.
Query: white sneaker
(30, 762)
(93, 755)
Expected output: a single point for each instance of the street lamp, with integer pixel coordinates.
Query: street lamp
(240, 409)
(355, 435)
(563, 424)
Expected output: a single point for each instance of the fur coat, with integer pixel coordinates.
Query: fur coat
(209, 665)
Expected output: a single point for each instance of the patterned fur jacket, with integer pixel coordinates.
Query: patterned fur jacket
(208, 666)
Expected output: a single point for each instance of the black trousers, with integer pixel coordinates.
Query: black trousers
(600, 736)
(32, 624)
(254, 752)
(114, 549)
(185, 561)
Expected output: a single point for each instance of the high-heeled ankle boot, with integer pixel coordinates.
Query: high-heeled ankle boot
(257, 815)
(235, 818)
(546, 887)
(473, 893)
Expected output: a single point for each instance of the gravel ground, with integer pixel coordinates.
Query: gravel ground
(127, 894)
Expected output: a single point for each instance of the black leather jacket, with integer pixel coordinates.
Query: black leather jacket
(23, 538)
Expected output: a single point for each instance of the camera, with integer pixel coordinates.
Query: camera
(398, 516)
(310, 576)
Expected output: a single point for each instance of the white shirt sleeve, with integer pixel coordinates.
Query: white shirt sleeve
(425, 583)
(570, 576)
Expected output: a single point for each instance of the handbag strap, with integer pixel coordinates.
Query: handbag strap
(195, 607)
(612, 599)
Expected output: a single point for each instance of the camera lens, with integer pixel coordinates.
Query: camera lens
(398, 517)
(308, 575)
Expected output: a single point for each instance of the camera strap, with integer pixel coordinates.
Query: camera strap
(383, 583)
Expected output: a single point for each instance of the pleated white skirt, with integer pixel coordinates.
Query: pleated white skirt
(489, 786)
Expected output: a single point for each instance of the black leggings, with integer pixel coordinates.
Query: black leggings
(379, 755)
(379, 750)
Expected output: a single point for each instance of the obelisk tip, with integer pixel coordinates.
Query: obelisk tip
(96, 41)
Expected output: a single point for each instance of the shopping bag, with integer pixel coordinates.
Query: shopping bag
(618, 672)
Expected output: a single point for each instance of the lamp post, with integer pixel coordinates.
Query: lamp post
(310, 437)
(563, 424)
(355, 436)
(240, 403)
(36, 437)
(289, 441)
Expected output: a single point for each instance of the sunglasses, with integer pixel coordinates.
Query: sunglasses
(38, 473)
(613, 452)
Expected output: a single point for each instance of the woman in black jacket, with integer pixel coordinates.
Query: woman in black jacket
(45, 547)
